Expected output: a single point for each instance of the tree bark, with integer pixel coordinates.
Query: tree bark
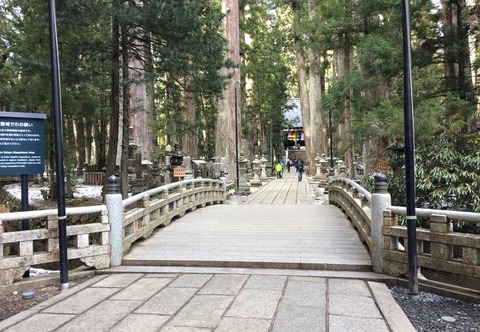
(126, 112)
(227, 133)
(150, 102)
(344, 139)
(190, 138)
(302, 88)
(80, 143)
(448, 46)
(316, 143)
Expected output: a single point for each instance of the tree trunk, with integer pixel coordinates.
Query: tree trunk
(80, 143)
(190, 137)
(316, 140)
(448, 48)
(150, 102)
(316, 144)
(343, 139)
(89, 139)
(100, 139)
(458, 71)
(125, 112)
(302, 87)
(227, 133)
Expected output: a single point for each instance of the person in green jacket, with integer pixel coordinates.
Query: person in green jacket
(278, 170)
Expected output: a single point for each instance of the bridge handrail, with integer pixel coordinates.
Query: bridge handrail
(356, 205)
(78, 210)
(473, 217)
(159, 206)
(361, 190)
(453, 257)
(88, 242)
(151, 192)
(93, 243)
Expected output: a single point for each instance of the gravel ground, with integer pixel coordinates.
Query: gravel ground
(431, 312)
(14, 303)
(18, 301)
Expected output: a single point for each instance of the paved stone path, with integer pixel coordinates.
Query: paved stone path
(217, 300)
(285, 191)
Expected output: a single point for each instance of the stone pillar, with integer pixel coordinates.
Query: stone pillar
(188, 168)
(113, 201)
(256, 170)
(380, 201)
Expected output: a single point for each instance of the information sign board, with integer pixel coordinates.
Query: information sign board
(22, 143)
(179, 172)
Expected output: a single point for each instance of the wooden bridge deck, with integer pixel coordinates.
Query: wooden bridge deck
(278, 226)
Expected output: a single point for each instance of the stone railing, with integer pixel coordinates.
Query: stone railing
(157, 207)
(442, 254)
(102, 243)
(21, 249)
(354, 201)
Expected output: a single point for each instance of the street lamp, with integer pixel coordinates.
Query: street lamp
(57, 112)
(331, 140)
(409, 152)
(235, 88)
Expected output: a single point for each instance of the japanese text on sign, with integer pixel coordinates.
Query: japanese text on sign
(21, 143)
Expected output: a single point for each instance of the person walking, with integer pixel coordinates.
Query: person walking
(300, 170)
(289, 164)
(278, 169)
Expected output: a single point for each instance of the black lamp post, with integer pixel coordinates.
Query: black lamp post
(331, 141)
(409, 152)
(235, 88)
(57, 112)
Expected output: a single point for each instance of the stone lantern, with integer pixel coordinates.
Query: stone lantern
(341, 168)
(318, 173)
(256, 170)
(244, 187)
(263, 166)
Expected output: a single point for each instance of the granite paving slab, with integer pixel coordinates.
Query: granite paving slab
(248, 300)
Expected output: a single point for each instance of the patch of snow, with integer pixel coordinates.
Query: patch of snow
(34, 272)
(35, 194)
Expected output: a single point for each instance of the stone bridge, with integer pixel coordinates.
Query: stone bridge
(285, 224)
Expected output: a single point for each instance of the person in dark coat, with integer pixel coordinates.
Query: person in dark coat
(300, 170)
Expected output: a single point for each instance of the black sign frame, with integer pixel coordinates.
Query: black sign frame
(22, 143)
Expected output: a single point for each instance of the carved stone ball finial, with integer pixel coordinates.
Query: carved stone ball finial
(381, 185)
(113, 186)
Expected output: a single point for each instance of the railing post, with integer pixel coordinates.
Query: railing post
(113, 201)
(380, 201)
